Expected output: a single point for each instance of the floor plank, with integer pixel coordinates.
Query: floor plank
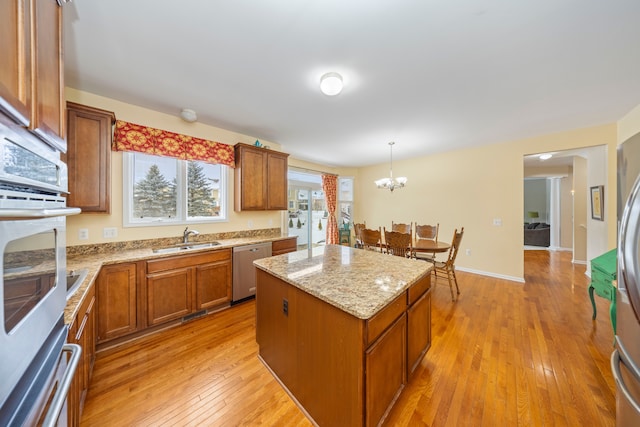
(505, 353)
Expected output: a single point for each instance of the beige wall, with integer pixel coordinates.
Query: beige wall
(96, 222)
(580, 206)
(566, 211)
(460, 188)
(470, 188)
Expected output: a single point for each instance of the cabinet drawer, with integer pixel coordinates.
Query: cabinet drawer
(604, 289)
(417, 289)
(157, 265)
(384, 318)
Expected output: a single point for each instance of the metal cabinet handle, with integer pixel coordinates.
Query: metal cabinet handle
(618, 356)
(14, 214)
(59, 398)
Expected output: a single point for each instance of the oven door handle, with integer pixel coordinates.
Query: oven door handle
(17, 214)
(51, 419)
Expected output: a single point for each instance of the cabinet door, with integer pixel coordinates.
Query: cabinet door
(169, 295)
(48, 117)
(418, 331)
(277, 181)
(89, 158)
(15, 67)
(386, 371)
(251, 187)
(213, 284)
(116, 301)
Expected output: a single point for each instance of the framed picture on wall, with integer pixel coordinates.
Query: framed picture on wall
(597, 202)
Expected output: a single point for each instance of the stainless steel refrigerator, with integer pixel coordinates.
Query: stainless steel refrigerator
(625, 360)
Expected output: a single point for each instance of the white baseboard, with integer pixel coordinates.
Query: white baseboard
(489, 274)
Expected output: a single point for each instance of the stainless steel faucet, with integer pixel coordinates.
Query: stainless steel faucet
(187, 232)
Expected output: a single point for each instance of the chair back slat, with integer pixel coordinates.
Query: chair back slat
(398, 243)
(401, 228)
(455, 246)
(427, 231)
(357, 229)
(371, 239)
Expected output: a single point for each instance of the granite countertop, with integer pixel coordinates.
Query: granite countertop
(356, 281)
(92, 258)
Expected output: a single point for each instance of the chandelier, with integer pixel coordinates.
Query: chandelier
(390, 182)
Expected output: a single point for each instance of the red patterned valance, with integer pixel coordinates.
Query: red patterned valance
(144, 139)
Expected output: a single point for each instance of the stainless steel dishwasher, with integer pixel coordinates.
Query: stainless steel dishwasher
(244, 272)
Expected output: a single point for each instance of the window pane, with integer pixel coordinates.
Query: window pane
(154, 189)
(346, 189)
(203, 189)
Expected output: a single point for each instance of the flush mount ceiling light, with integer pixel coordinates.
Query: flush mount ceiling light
(188, 115)
(545, 156)
(331, 84)
(390, 182)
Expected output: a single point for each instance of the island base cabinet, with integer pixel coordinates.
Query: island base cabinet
(339, 368)
(418, 331)
(385, 367)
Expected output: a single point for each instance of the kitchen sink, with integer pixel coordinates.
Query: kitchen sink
(184, 247)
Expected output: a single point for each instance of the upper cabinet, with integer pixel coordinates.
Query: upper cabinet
(260, 179)
(89, 136)
(31, 72)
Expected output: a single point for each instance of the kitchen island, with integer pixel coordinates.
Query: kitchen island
(343, 329)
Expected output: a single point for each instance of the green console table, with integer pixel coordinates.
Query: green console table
(603, 273)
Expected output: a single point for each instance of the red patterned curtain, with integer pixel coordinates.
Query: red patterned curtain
(330, 188)
(144, 139)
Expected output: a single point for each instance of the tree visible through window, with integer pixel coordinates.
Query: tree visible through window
(172, 190)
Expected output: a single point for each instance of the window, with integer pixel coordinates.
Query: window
(345, 200)
(163, 189)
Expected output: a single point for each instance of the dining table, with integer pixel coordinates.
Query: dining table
(430, 246)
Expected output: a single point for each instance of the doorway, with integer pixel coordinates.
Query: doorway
(307, 213)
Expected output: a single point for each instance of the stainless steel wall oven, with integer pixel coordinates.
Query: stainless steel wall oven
(36, 364)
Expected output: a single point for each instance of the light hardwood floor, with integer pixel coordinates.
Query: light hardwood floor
(504, 354)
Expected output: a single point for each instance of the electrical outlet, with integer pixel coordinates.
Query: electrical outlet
(83, 234)
(467, 252)
(497, 222)
(285, 306)
(250, 224)
(270, 222)
(109, 232)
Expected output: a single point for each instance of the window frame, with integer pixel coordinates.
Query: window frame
(128, 162)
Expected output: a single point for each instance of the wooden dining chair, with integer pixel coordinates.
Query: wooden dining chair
(398, 244)
(371, 239)
(357, 229)
(429, 232)
(402, 228)
(448, 267)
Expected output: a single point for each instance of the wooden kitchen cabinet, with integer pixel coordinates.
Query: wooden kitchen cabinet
(31, 73)
(418, 323)
(181, 285)
(88, 158)
(284, 246)
(260, 178)
(82, 331)
(117, 301)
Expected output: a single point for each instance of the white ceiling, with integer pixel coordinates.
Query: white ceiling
(431, 75)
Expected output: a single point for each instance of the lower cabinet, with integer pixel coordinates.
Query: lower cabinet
(418, 323)
(82, 332)
(279, 247)
(180, 285)
(117, 299)
(341, 369)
